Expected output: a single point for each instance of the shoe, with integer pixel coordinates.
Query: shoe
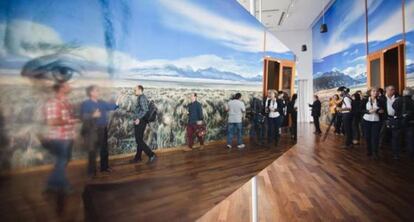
(107, 170)
(241, 146)
(152, 159)
(135, 160)
(355, 142)
(187, 149)
(201, 147)
(228, 146)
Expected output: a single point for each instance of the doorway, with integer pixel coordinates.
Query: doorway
(278, 75)
(386, 67)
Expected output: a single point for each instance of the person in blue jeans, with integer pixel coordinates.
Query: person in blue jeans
(235, 109)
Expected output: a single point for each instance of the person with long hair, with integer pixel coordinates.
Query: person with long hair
(372, 108)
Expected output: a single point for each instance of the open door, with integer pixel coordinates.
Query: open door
(278, 75)
(386, 67)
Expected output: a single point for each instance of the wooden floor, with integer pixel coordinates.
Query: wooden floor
(319, 181)
(180, 186)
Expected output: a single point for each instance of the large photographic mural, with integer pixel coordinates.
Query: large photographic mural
(173, 48)
(340, 54)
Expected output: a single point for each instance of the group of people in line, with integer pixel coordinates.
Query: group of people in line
(380, 116)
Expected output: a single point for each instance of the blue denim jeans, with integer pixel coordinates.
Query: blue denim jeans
(232, 129)
(61, 149)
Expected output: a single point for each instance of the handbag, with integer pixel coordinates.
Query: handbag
(201, 130)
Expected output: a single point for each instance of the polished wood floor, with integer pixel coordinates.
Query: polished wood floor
(319, 181)
(179, 186)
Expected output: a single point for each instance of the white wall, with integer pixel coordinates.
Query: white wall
(304, 67)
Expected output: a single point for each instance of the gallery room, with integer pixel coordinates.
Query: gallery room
(206, 110)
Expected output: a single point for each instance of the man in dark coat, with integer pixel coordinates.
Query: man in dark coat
(316, 113)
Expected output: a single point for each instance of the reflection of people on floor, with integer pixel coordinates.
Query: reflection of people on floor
(94, 114)
(236, 109)
(195, 122)
(140, 124)
(316, 113)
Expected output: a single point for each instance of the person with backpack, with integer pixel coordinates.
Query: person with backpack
(195, 121)
(404, 112)
(346, 113)
(142, 115)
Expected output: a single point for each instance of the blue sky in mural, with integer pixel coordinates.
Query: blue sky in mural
(145, 35)
(342, 48)
(409, 12)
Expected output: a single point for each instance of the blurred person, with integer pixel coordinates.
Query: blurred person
(140, 124)
(372, 108)
(286, 101)
(195, 120)
(59, 136)
(235, 109)
(345, 109)
(404, 113)
(274, 110)
(336, 102)
(316, 113)
(356, 118)
(94, 114)
(391, 124)
(258, 120)
(293, 111)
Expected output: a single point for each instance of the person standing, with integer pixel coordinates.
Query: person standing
(316, 113)
(336, 102)
(258, 120)
(94, 114)
(293, 110)
(236, 109)
(356, 118)
(274, 110)
(404, 112)
(195, 120)
(60, 133)
(140, 124)
(346, 114)
(372, 108)
(390, 97)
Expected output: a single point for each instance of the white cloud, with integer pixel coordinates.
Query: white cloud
(390, 27)
(337, 42)
(185, 16)
(409, 61)
(359, 58)
(409, 15)
(28, 39)
(355, 70)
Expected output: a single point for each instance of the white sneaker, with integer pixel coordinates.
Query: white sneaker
(228, 146)
(241, 146)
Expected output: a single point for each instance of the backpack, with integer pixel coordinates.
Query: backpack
(152, 112)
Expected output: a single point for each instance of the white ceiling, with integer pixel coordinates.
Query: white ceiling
(298, 14)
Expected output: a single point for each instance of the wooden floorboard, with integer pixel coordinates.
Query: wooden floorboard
(319, 181)
(180, 186)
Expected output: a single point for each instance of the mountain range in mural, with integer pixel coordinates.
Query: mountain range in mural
(336, 78)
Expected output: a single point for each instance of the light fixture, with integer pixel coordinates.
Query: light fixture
(324, 26)
(304, 48)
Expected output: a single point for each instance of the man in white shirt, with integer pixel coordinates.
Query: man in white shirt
(345, 110)
(236, 109)
(391, 96)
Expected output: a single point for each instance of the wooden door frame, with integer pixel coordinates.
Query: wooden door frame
(283, 63)
(380, 54)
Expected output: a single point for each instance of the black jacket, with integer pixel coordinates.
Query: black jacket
(409, 108)
(384, 100)
(381, 103)
(316, 108)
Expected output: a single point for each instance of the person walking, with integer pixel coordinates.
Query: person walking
(140, 124)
